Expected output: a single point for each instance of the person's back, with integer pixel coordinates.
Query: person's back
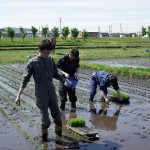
(103, 80)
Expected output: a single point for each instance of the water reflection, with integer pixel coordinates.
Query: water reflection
(101, 120)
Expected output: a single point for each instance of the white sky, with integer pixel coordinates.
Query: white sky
(82, 14)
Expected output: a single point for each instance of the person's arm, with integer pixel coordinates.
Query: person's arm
(58, 75)
(63, 73)
(119, 95)
(116, 87)
(104, 95)
(77, 73)
(26, 79)
(17, 100)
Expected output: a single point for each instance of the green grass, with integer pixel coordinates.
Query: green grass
(76, 122)
(125, 96)
(92, 52)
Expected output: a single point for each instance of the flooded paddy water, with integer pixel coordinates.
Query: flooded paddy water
(126, 129)
(133, 62)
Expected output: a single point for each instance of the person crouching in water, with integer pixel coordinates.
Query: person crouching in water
(43, 69)
(103, 80)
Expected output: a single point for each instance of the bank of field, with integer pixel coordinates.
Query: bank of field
(90, 49)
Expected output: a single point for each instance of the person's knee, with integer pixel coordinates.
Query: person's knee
(45, 125)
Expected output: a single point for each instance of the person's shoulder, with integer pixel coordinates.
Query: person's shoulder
(65, 57)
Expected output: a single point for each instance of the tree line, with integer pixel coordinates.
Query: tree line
(55, 32)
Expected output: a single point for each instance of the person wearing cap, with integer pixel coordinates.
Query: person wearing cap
(68, 65)
(43, 69)
(103, 80)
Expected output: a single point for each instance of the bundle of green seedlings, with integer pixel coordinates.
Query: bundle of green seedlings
(125, 96)
(76, 122)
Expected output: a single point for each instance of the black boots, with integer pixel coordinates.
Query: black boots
(58, 129)
(45, 135)
(73, 105)
(62, 106)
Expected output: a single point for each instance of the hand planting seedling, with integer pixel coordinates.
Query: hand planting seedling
(76, 122)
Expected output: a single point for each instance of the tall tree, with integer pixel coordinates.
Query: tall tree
(23, 33)
(84, 34)
(55, 32)
(44, 31)
(148, 31)
(65, 32)
(34, 31)
(74, 33)
(143, 31)
(10, 33)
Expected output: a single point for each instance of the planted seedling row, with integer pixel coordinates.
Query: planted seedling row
(12, 96)
(24, 133)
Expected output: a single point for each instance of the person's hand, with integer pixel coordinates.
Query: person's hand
(106, 100)
(68, 83)
(66, 75)
(17, 101)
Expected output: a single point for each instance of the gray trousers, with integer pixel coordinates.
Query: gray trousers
(52, 105)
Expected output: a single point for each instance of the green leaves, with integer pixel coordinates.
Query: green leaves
(76, 122)
(125, 96)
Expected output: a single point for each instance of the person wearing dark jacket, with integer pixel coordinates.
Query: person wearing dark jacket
(43, 69)
(103, 80)
(68, 65)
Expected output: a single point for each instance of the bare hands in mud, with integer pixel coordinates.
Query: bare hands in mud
(17, 101)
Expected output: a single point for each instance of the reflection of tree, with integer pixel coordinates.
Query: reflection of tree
(102, 120)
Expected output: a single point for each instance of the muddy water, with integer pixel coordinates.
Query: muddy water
(125, 62)
(120, 127)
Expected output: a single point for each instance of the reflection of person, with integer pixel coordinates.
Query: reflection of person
(102, 120)
(103, 80)
(44, 70)
(53, 41)
(68, 65)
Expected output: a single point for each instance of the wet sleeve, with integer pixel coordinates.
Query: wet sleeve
(27, 75)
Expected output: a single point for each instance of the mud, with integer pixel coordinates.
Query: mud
(120, 126)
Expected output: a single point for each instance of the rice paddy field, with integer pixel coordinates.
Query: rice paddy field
(120, 127)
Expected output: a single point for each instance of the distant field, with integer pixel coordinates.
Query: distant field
(90, 49)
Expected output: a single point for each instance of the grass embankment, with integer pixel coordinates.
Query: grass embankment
(90, 53)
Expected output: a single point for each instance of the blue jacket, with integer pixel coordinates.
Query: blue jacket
(102, 80)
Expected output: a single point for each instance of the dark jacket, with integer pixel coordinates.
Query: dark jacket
(67, 65)
(102, 80)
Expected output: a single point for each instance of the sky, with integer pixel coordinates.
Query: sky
(92, 15)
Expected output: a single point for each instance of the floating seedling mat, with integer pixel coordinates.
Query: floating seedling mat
(85, 132)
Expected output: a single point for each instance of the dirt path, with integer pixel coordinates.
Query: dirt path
(127, 130)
